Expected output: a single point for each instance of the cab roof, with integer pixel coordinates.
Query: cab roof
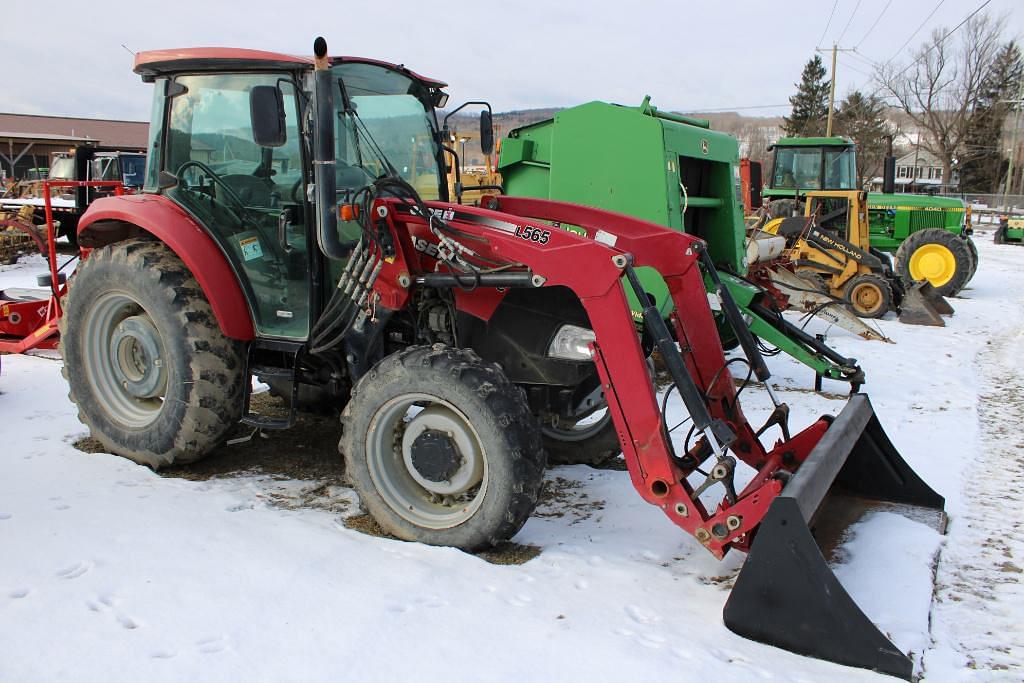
(154, 63)
(834, 141)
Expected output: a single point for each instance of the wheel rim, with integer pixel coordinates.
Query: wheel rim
(124, 359)
(426, 461)
(866, 297)
(581, 430)
(933, 262)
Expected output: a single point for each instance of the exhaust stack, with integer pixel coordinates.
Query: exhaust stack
(888, 168)
(323, 155)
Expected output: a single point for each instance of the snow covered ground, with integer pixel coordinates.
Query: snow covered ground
(111, 572)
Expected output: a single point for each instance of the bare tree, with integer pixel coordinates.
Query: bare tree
(940, 89)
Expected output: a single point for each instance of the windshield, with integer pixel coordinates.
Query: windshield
(803, 167)
(133, 170)
(840, 169)
(63, 168)
(391, 113)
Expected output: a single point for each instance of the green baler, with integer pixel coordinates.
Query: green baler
(930, 236)
(667, 169)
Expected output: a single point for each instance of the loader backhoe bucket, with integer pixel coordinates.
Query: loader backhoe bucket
(786, 595)
(922, 305)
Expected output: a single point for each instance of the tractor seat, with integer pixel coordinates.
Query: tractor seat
(17, 294)
(791, 228)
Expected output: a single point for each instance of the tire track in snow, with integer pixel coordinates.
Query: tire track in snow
(979, 596)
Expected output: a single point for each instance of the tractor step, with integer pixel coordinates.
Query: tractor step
(271, 372)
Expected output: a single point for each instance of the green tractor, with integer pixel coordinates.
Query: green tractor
(929, 236)
(674, 171)
(1010, 231)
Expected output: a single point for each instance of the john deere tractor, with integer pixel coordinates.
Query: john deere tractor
(929, 236)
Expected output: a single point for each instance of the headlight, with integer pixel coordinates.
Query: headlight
(572, 343)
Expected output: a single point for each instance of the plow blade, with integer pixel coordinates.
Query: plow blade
(805, 296)
(786, 595)
(922, 305)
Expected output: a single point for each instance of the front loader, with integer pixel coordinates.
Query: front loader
(829, 248)
(315, 252)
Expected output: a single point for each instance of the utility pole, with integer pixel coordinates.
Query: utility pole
(1013, 145)
(832, 85)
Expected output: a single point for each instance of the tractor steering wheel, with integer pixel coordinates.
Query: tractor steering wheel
(246, 217)
(228, 190)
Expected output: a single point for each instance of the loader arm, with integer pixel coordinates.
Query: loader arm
(786, 594)
(598, 261)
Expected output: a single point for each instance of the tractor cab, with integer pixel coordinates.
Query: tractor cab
(800, 164)
(234, 150)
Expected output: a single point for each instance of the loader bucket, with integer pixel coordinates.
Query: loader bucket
(922, 305)
(786, 595)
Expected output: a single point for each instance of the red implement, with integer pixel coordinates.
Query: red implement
(28, 317)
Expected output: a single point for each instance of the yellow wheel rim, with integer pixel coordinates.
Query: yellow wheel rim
(866, 297)
(934, 263)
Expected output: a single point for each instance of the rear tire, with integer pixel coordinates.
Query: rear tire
(594, 444)
(474, 479)
(869, 295)
(153, 377)
(936, 255)
(973, 249)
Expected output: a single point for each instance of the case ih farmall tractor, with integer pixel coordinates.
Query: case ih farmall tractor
(294, 227)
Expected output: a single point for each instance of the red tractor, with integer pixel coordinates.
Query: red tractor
(294, 226)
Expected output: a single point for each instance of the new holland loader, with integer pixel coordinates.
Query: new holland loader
(323, 251)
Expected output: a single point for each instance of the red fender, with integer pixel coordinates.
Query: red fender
(112, 219)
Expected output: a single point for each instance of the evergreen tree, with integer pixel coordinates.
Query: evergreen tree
(862, 119)
(810, 103)
(983, 164)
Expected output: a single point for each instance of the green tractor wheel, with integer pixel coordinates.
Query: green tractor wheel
(938, 256)
(973, 248)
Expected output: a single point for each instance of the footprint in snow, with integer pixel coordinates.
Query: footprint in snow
(19, 593)
(213, 645)
(163, 654)
(127, 622)
(642, 616)
(75, 570)
(5, 515)
(101, 604)
(519, 600)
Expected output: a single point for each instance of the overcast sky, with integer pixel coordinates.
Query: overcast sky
(688, 56)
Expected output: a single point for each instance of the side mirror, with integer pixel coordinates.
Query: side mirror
(266, 109)
(486, 133)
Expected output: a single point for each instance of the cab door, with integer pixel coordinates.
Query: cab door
(249, 197)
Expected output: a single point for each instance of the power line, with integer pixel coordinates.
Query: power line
(829, 22)
(849, 21)
(916, 31)
(728, 109)
(943, 38)
(880, 15)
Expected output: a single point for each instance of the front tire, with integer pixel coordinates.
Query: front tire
(442, 449)
(153, 377)
(869, 296)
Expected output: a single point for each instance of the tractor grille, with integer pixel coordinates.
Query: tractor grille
(919, 220)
